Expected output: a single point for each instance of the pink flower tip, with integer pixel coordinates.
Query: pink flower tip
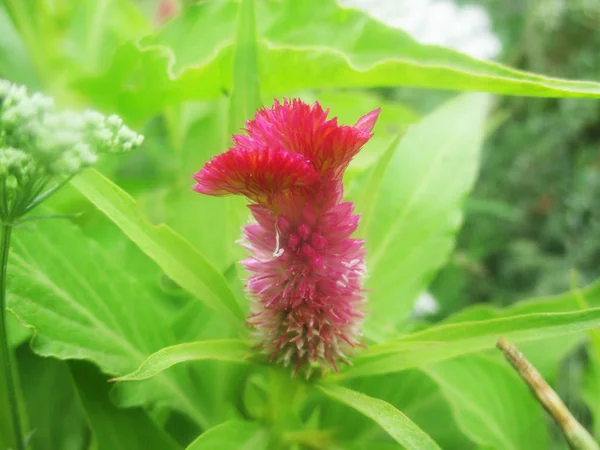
(367, 122)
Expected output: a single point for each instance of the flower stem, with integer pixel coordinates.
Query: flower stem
(5, 356)
(577, 436)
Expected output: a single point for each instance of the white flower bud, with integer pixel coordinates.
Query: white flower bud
(5, 87)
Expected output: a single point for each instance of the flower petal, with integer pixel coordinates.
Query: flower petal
(367, 122)
(304, 129)
(254, 172)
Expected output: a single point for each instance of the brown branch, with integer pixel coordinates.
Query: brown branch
(577, 436)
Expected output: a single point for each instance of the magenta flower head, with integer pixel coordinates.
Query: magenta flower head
(306, 270)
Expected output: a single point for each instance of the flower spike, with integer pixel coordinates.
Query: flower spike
(306, 270)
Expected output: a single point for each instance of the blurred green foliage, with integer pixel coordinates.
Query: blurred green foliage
(534, 214)
(111, 288)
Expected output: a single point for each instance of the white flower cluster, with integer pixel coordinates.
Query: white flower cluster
(61, 142)
(38, 143)
(16, 167)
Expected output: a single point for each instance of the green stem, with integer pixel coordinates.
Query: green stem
(47, 194)
(5, 355)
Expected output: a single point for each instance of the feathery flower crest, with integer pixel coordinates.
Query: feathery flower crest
(306, 269)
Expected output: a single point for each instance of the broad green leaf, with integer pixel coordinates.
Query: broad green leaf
(300, 45)
(17, 332)
(141, 79)
(245, 93)
(491, 404)
(234, 434)
(114, 428)
(325, 45)
(179, 260)
(83, 305)
(47, 385)
(222, 350)
(417, 209)
(396, 424)
(448, 341)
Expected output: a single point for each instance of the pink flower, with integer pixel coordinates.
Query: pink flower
(306, 270)
(166, 10)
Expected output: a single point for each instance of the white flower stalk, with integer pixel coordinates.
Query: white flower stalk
(41, 147)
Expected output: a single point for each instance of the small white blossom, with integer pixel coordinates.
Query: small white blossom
(425, 305)
(39, 142)
(63, 141)
(17, 168)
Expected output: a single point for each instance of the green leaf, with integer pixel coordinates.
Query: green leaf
(67, 39)
(324, 45)
(417, 209)
(411, 392)
(491, 404)
(537, 351)
(397, 425)
(98, 27)
(370, 188)
(7, 435)
(200, 140)
(18, 333)
(245, 94)
(591, 392)
(564, 302)
(83, 305)
(46, 385)
(234, 434)
(300, 45)
(114, 428)
(220, 350)
(179, 260)
(447, 341)
(15, 63)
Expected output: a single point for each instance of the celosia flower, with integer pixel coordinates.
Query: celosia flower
(306, 269)
(41, 146)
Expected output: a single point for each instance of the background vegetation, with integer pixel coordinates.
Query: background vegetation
(92, 297)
